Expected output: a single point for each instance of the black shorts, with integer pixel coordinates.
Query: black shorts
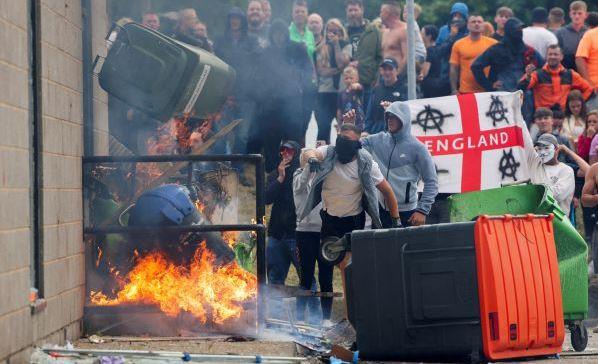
(339, 226)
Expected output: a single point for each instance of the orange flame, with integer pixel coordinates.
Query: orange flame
(230, 237)
(208, 292)
(99, 259)
(200, 206)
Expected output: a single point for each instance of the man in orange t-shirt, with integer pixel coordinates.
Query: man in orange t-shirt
(586, 57)
(464, 52)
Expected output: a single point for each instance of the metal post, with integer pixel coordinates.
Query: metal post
(88, 122)
(36, 159)
(411, 93)
(260, 211)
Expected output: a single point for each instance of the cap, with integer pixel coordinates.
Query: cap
(547, 139)
(390, 62)
(539, 15)
(288, 144)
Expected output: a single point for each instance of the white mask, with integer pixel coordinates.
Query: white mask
(545, 152)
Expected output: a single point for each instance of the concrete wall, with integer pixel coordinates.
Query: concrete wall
(62, 112)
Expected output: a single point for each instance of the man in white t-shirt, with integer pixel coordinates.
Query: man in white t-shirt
(536, 35)
(347, 174)
(544, 168)
(347, 184)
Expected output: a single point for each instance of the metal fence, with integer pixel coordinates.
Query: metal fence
(258, 227)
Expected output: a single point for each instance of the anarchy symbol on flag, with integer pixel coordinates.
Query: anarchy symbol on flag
(482, 145)
(508, 165)
(430, 119)
(497, 111)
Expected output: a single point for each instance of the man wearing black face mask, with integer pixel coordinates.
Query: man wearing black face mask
(348, 177)
(507, 60)
(347, 184)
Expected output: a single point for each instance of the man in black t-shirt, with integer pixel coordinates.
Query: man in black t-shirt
(355, 23)
(430, 75)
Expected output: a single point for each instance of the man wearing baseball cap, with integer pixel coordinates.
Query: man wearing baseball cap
(388, 89)
(545, 168)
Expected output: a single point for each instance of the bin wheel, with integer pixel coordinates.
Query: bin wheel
(579, 337)
(331, 251)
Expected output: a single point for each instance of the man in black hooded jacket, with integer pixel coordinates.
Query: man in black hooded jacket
(507, 60)
(281, 249)
(285, 74)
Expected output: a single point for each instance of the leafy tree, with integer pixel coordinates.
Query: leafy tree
(213, 12)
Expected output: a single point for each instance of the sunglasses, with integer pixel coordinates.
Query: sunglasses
(287, 151)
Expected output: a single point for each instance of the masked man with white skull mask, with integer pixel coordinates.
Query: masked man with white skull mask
(545, 168)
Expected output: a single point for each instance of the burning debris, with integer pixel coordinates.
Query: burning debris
(191, 272)
(211, 293)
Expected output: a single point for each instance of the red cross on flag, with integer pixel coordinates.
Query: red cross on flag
(476, 140)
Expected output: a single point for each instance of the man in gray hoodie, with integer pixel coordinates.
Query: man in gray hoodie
(404, 161)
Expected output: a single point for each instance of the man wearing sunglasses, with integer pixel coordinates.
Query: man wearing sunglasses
(281, 248)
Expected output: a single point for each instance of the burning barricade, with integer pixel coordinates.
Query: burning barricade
(192, 279)
(163, 253)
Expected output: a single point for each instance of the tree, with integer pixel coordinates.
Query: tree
(434, 11)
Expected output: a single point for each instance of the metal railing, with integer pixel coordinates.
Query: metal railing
(257, 227)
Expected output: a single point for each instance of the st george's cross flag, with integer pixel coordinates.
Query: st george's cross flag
(476, 140)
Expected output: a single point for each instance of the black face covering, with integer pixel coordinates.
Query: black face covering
(346, 149)
(513, 34)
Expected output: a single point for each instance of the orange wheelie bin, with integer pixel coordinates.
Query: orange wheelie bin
(519, 287)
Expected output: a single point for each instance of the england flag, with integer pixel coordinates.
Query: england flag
(476, 140)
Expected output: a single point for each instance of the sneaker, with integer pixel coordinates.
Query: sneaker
(327, 324)
(300, 322)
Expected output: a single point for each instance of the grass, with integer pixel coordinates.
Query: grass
(338, 306)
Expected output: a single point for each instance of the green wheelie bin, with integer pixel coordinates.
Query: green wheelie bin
(571, 247)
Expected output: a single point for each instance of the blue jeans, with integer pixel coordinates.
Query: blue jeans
(280, 253)
(386, 219)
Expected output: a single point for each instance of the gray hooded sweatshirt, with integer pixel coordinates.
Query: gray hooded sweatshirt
(404, 161)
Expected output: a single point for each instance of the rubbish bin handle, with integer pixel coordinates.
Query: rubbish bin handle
(122, 214)
(515, 183)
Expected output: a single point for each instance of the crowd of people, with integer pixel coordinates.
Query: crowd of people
(353, 71)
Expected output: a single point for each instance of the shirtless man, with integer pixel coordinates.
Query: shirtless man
(589, 194)
(394, 34)
(589, 199)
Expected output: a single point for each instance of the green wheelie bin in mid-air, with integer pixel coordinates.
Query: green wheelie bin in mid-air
(161, 76)
(571, 247)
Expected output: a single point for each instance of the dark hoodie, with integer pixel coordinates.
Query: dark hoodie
(239, 54)
(507, 59)
(374, 117)
(283, 219)
(445, 41)
(287, 70)
(445, 30)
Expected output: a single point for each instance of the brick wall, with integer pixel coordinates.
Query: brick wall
(62, 116)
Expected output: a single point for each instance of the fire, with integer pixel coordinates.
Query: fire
(210, 293)
(177, 136)
(99, 259)
(200, 206)
(230, 237)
